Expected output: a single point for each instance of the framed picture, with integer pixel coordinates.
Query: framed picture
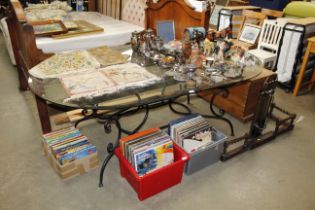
(83, 27)
(48, 28)
(249, 33)
(166, 30)
(214, 18)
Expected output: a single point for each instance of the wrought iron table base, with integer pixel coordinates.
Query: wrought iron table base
(114, 117)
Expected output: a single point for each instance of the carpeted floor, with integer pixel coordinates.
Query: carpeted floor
(278, 175)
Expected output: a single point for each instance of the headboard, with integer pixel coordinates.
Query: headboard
(133, 11)
(110, 8)
(177, 10)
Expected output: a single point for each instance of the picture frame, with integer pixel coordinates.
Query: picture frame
(214, 18)
(166, 30)
(84, 27)
(250, 33)
(48, 27)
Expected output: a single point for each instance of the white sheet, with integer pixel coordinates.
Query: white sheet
(287, 56)
(115, 33)
(289, 50)
(7, 39)
(224, 19)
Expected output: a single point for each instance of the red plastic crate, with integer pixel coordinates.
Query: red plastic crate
(156, 181)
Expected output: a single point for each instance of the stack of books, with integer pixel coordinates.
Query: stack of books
(67, 145)
(192, 132)
(148, 150)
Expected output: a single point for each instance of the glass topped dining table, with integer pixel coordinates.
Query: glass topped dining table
(110, 107)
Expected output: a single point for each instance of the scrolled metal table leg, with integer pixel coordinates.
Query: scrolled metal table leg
(145, 118)
(110, 146)
(108, 127)
(86, 116)
(170, 104)
(110, 149)
(220, 115)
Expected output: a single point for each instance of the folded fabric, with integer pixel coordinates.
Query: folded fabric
(56, 10)
(107, 56)
(109, 80)
(86, 83)
(53, 5)
(64, 63)
(45, 14)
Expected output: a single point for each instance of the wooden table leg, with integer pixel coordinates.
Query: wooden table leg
(311, 84)
(302, 71)
(43, 114)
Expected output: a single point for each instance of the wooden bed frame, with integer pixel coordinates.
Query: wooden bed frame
(27, 54)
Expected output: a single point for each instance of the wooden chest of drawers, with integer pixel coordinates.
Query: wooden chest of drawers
(243, 97)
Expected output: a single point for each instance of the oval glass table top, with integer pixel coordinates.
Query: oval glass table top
(168, 87)
(53, 91)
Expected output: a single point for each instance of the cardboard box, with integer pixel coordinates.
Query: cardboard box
(70, 170)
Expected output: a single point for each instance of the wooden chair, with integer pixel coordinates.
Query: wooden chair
(252, 17)
(268, 43)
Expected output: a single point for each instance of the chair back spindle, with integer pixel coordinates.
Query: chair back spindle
(270, 35)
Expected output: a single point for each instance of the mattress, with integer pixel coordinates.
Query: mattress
(292, 49)
(115, 33)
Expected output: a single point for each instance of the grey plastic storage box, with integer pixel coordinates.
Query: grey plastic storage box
(208, 155)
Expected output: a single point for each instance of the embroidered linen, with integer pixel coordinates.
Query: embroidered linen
(45, 14)
(56, 10)
(64, 63)
(53, 5)
(86, 82)
(107, 56)
(108, 80)
(128, 75)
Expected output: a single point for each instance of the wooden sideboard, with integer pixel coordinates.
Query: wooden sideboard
(243, 97)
